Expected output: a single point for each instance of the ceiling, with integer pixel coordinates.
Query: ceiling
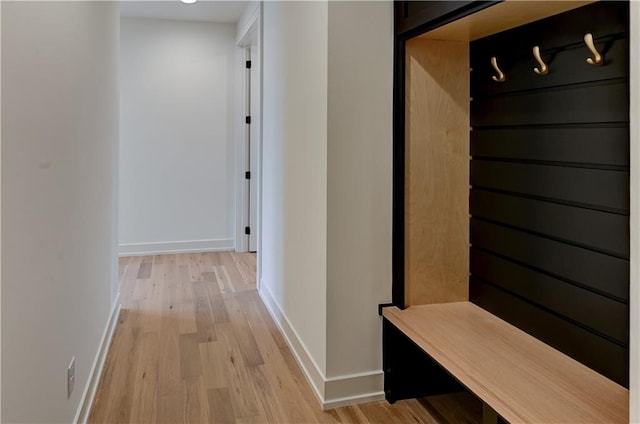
(203, 10)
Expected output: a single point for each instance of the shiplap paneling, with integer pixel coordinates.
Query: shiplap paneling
(550, 185)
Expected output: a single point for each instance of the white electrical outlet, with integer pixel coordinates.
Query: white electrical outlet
(71, 376)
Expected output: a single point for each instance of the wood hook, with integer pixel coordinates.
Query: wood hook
(597, 57)
(500, 77)
(543, 69)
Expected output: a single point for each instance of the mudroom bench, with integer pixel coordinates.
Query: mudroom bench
(511, 246)
(517, 377)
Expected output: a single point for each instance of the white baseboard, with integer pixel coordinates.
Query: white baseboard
(353, 400)
(331, 392)
(352, 389)
(167, 247)
(86, 401)
(309, 368)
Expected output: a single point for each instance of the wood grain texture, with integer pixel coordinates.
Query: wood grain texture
(436, 172)
(500, 17)
(160, 370)
(220, 406)
(189, 356)
(144, 272)
(196, 408)
(145, 391)
(204, 316)
(521, 378)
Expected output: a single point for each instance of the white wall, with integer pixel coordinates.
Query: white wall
(294, 179)
(176, 147)
(326, 239)
(59, 129)
(359, 189)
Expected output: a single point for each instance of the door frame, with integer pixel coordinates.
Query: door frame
(249, 36)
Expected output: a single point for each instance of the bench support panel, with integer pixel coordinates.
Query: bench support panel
(408, 371)
(489, 416)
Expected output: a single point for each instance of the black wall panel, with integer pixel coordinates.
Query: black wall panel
(587, 228)
(408, 371)
(550, 184)
(607, 357)
(586, 145)
(560, 39)
(595, 271)
(567, 65)
(596, 188)
(592, 310)
(583, 103)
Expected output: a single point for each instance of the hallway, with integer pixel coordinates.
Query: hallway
(194, 343)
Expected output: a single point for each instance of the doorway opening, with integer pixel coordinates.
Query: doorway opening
(252, 140)
(249, 140)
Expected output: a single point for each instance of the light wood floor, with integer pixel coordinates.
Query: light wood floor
(194, 343)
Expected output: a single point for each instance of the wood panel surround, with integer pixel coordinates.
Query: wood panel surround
(435, 229)
(501, 17)
(437, 174)
(436, 133)
(513, 196)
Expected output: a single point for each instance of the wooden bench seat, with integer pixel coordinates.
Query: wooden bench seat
(521, 378)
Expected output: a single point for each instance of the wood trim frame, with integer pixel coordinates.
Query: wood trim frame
(403, 34)
(436, 171)
(398, 272)
(436, 17)
(398, 238)
(398, 224)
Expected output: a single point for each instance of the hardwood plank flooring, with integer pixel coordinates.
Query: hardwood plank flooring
(195, 344)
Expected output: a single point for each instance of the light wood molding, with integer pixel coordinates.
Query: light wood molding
(437, 172)
(520, 377)
(500, 17)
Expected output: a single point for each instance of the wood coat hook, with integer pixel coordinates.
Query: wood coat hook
(543, 69)
(500, 77)
(597, 57)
